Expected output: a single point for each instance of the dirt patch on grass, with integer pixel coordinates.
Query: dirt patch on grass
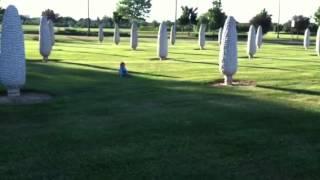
(26, 97)
(239, 83)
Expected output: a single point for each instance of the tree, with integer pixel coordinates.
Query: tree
(301, 23)
(193, 16)
(188, 16)
(216, 16)
(134, 9)
(184, 18)
(65, 22)
(317, 16)
(1, 13)
(264, 20)
(50, 15)
(24, 18)
(203, 20)
(117, 17)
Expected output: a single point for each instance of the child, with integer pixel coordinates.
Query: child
(123, 72)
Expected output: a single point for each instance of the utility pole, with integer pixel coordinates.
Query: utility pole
(89, 21)
(176, 14)
(278, 26)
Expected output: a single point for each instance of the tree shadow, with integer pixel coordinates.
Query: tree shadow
(285, 42)
(156, 128)
(269, 68)
(101, 68)
(247, 57)
(88, 52)
(192, 54)
(158, 59)
(294, 60)
(196, 62)
(296, 91)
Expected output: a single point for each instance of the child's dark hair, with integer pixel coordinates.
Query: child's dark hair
(122, 64)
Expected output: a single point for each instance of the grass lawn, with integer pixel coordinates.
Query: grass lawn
(166, 122)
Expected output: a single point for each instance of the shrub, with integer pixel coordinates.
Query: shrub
(163, 41)
(12, 61)
(251, 44)
(228, 56)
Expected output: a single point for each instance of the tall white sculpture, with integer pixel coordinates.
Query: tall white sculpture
(12, 61)
(134, 36)
(163, 41)
(251, 44)
(228, 56)
(45, 39)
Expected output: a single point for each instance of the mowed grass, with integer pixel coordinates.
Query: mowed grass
(166, 121)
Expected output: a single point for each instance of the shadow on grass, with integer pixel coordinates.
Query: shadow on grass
(101, 126)
(192, 54)
(295, 91)
(285, 42)
(158, 59)
(268, 68)
(103, 54)
(101, 68)
(293, 60)
(195, 62)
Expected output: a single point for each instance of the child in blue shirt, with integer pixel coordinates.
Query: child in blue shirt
(123, 72)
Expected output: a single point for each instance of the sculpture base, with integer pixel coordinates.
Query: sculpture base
(15, 92)
(228, 80)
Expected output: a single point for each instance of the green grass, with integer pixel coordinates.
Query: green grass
(166, 122)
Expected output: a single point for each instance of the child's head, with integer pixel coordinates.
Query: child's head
(122, 64)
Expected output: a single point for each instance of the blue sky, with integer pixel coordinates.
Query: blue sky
(242, 10)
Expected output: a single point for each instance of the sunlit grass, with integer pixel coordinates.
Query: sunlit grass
(166, 121)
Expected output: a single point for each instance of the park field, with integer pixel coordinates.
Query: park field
(167, 121)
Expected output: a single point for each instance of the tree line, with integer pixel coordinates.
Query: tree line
(128, 11)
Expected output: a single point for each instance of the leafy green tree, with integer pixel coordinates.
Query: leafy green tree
(193, 16)
(51, 15)
(134, 9)
(216, 16)
(317, 16)
(264, 20)
(301, 23)
(184, 18)
(203, 20)
(24, 18)
(188, 16)
(65, 22)
(1, 13)
(117, 17)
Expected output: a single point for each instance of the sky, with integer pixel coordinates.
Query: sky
(242, 10)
